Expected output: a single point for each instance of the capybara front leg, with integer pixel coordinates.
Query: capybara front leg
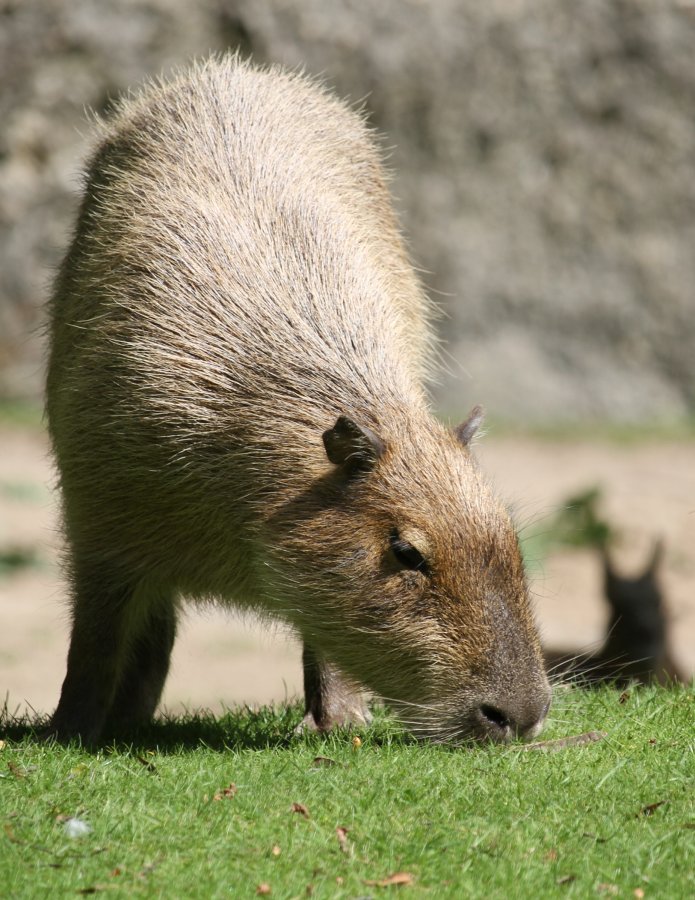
(331, 700)
(145, 669)
(98, 644)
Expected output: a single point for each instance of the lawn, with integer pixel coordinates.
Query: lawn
(239, 807)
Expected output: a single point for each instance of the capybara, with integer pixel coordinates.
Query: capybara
(236, 400)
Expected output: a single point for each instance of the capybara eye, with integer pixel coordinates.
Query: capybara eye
(406, 554)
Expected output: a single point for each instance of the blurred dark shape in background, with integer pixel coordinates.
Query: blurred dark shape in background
(637, 644)
(543, 154)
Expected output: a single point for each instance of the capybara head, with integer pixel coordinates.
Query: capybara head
(413, 580)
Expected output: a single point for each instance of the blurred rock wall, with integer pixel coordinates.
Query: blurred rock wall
(543, 153)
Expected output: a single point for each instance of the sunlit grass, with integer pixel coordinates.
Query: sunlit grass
(212, 807)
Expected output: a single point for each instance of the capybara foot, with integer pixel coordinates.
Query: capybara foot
(351, 714)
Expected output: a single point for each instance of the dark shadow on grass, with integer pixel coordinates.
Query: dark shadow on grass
(264, 728)
(243, 729)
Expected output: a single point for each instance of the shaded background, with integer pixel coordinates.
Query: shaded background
(543, 153)
(543, 157)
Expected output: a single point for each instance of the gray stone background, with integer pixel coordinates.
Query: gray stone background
(543, 153)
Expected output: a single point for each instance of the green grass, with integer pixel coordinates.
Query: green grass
(485, 822)
(576, 523)
(14, 559)
(24, 413)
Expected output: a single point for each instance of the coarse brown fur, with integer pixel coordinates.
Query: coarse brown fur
(237, 288)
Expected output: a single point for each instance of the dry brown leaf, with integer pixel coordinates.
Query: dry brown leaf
(301, 809)
(323, 761)
(263, 889)
(227, 792)
(551, 855)
(398, 878)
(342, 834)
(576, 740)
(639, 893)
(148, 869)
(606, 888)
(566, 879)
(147, 764)
(16, 771)
(651, 808)
(11, 836)
(624, 697)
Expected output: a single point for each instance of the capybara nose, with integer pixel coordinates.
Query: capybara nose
(501, 724)
(496, 723)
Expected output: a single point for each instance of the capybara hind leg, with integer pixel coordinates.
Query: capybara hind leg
(330, 699)
(145, 670)
(97, 647)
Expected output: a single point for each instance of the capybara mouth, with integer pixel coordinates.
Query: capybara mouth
(482, 723)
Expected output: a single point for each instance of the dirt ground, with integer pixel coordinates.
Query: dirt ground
(648, 491)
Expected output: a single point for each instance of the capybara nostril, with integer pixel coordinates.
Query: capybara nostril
(496, 724)
(498, 718)
(521, 719)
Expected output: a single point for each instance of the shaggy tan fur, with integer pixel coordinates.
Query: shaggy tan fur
(237, 283)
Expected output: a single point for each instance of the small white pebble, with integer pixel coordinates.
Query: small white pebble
(76, 828)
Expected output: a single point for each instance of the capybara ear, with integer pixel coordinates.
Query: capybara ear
(466, 430)
(353, 446)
